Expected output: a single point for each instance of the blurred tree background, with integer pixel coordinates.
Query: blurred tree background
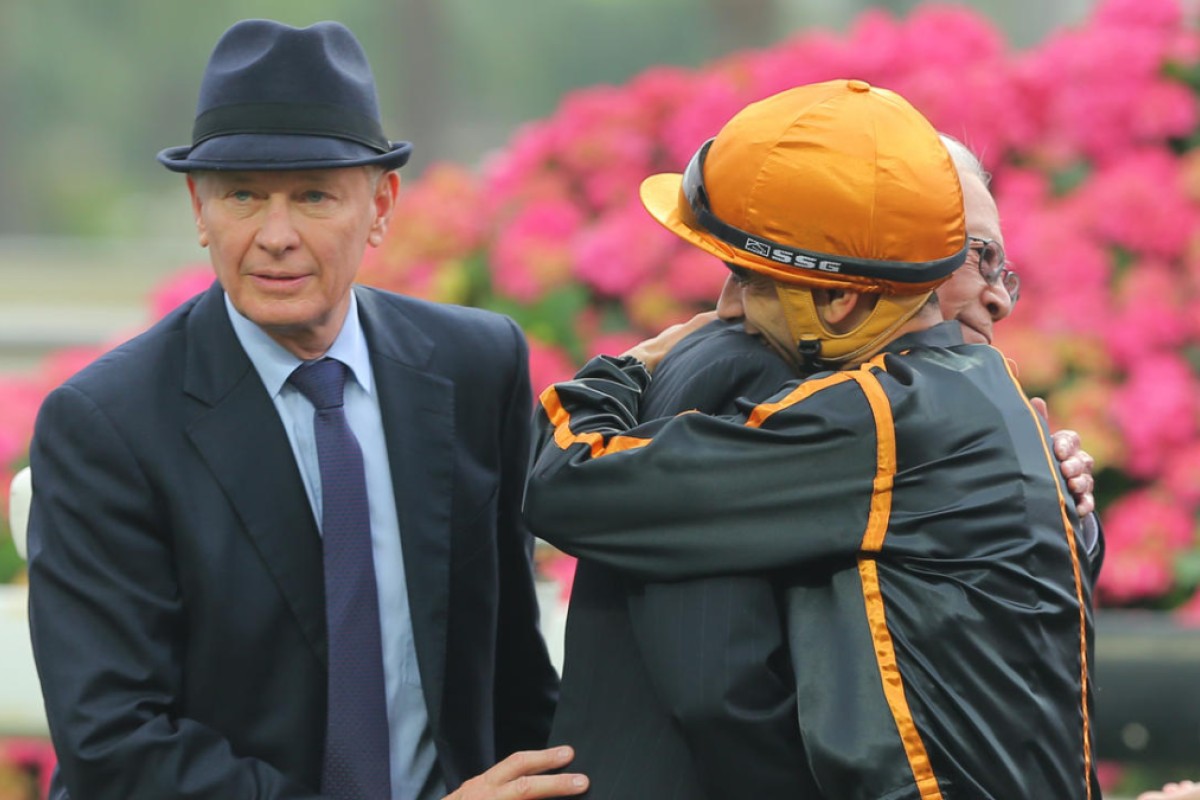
(91, 91)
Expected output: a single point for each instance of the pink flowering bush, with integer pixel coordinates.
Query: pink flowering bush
(1091, 138)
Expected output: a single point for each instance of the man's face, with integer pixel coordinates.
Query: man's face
(966, 296)
(286, 245)
(752, 298)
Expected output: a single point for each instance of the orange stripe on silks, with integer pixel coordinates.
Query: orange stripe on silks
(873, 537)
(806, 389)
(560, 418)
(1052, 463)
(885, 459)
(893, 684)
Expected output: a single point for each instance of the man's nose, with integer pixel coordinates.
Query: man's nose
(998, 301)
(277, 233)
(729, 304)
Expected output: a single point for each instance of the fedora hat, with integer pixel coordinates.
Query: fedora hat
(274, 97)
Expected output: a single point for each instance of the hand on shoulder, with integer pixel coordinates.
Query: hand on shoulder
(520, 777)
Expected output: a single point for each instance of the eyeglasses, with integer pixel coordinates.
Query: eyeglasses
(993, 266)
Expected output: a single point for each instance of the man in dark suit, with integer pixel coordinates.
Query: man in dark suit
(275, 544)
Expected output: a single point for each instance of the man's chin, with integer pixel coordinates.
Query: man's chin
(972, 336)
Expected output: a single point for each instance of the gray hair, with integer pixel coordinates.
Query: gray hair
(964, 160)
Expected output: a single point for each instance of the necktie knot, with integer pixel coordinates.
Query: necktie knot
(321, 382)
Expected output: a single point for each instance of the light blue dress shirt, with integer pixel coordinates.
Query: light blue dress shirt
(415, 774)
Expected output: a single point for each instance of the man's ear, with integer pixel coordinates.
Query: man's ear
(843, 310)
(201, 230)
(383, 204)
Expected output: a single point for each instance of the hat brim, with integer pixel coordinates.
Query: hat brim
(255, 152)
(661, 197)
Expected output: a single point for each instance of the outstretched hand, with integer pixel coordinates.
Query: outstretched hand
(652, 351)
(1074, 462)
(519, 777)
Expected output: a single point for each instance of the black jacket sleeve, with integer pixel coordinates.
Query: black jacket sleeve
(664, 500)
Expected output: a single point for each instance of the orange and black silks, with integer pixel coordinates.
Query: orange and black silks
(940, 620)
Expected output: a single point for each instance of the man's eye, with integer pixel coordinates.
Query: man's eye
(741, 275)
(241, 195)
(314, 196)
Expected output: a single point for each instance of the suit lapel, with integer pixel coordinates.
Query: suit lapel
(418, 422)
(241, 438)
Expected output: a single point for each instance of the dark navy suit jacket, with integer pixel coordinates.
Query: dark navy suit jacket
(176, 590)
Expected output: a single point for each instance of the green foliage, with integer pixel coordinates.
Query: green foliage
(11, 564)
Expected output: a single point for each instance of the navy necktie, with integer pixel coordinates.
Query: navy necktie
(356, 765)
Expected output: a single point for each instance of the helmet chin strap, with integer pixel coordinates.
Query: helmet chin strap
(822, 348)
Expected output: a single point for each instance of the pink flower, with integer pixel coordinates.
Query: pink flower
(598, 331)
(1085, 405)
(620, 250)
(531, 254)
(1151, 314)
(602, 139)
(1144, 532)
(560, 568)
(178, 288)
(1057, 259)
(1165, 110)
(715, 99)
(1109, 773)
(547, 365)
(1095, 105)
(1157, 409)
(693, 274)
(442, 216)
(1140, 13)
(808, 57)
(612, 344)
(653, 306)
(660, 89)
(62, 364)
(1113, 204)
(439, 281)
(526, 162)
(875, 39)
(1181, 473)
(20, 397)
(950, 35)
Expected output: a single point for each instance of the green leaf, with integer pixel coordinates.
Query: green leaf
(1067, 180)
(10, 561)
(1187, 568)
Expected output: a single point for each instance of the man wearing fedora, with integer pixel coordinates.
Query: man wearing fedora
(275, 543)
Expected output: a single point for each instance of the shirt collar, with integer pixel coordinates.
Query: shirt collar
(274, 363)
(943, 334)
